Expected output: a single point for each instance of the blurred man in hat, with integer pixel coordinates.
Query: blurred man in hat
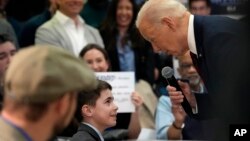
(41, 87)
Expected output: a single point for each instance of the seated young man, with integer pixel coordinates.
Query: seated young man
(97, 111)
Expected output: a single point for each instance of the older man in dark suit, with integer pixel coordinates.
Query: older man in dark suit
(219, 48)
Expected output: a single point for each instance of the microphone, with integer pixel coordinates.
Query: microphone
(168, 73)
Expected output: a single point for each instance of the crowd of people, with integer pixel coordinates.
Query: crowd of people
(49, 91)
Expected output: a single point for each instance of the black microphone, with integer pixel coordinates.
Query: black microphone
(168, 73)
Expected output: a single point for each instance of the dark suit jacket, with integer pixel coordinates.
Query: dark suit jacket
(85, 133)
(27, 35)
(223, 63)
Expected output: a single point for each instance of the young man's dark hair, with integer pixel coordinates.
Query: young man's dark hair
(5, 38)
(90, 98)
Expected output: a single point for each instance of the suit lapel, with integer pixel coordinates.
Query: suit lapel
(198, 34)
(199, 40)
(63, 35)
(88, 35)
(92, 132)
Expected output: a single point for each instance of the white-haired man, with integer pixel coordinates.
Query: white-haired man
(218, 51)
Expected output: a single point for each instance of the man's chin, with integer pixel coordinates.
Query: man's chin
(112, 124)
(194, 81)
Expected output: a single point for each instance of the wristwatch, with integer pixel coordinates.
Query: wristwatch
(179, 128)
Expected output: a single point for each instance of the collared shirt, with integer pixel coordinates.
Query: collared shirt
(126, 56)
(202, 89)
(96, 130)
(19, 129)
(164, 117)
(191, 38)
(192, 45)
(75, 32)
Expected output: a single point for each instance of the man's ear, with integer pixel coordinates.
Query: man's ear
(168, 21)
(87, 110)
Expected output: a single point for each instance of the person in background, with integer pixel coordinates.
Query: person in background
(200, 7)
(127, 50)
(218, 52)
(98, 59)
(40, 93)
(7, 51)
(5, 10)
(172, 122)
(27, 34)
(67, 29)
(6, 28)
(97, 111)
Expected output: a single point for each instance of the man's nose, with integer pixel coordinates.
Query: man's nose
(116, 107)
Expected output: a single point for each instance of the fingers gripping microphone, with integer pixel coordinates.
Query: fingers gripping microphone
(168, 73)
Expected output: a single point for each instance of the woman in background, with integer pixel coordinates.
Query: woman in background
(127, 50)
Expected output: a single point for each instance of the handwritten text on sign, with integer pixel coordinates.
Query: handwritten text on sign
(122, 87)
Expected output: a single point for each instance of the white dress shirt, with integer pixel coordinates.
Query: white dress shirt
(75, 31)
(191, 38)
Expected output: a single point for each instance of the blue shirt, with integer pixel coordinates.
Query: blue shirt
(164, 117)
(126, 56)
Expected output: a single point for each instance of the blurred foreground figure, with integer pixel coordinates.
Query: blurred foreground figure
(40, 93)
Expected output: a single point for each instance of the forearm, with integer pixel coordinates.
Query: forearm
(134, 126)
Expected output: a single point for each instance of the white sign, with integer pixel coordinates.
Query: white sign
(123, 84)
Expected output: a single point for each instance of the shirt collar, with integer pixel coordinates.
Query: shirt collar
(97, 131)
(63, 19)
(191, 38)
(19, 129)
